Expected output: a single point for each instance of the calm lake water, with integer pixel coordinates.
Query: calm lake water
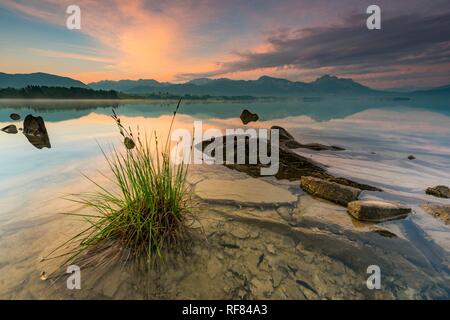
(378, 136)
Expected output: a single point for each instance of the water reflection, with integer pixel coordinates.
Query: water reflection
(323, 109)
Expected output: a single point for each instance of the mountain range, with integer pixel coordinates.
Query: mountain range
(264, 86)
(19, 81)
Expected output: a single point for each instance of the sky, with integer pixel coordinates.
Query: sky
(180, 40)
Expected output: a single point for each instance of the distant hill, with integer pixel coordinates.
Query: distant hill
(264, 86)
(333, 84)
(126, 85)
(444, 90)
(19, 81)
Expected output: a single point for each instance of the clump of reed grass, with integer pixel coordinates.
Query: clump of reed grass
(148, 212)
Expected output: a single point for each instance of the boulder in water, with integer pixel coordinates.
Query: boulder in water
(439, 191)
(247, 117)
(329, 190)
(36, 132)
(11, 129)
(288, 141)
(377, 210)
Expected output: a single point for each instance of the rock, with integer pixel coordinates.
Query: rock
(34, 125)
(306, 285)
(291, 144)
(377, 210)
(14, 116)
(288, 141)
(385, 233)
(11, 129)
(411, 157)
(321, 147)
(292, 166)
(43, 276)
(270, 248)
(439, 191)
(261, 288)
(328, 190)
(285, 213)
(441, 212)
(245, 192)
(247, 116)
(36, 132)
(283, 134)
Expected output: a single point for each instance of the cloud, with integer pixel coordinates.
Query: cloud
(132, 38)
(297, 39)
(70, 55)
(405, 41)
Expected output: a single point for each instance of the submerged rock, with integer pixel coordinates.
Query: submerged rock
(442, 212)
(14, 116)
(328, 190)
(245, 192)
(320, 147)
(247, 117)
(11, 129)
(439, 191)
(36, 132)
(287, 140)
(385, 233)
(377, 210)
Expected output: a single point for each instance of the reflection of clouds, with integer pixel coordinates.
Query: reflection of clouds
(288, 122)
(405, 120)
(76, 142)
(32, 179)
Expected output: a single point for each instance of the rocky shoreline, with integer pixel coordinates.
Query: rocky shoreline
(315, 179)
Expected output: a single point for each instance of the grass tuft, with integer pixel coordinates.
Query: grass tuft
(148, 211)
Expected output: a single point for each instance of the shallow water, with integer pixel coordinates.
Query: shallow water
(378, 137)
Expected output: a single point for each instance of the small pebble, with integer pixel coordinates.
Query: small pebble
(43, 276)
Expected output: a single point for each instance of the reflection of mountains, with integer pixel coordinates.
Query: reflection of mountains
(55, 110)
(319, 109)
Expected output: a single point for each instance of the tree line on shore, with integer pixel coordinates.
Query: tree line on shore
(45, 92)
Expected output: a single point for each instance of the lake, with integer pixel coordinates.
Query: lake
(253, 250)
